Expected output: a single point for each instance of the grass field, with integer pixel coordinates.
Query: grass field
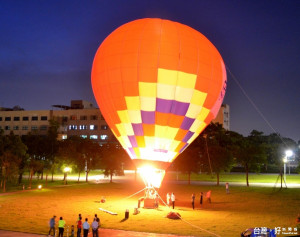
(236, 177)
(224, 177)
(227, 215)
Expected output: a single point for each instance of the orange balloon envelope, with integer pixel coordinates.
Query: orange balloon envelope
(158, 84)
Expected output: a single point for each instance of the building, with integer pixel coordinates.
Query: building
(223, 117)
(81, 118)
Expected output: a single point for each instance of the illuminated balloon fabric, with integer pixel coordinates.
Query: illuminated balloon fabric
(158, 84)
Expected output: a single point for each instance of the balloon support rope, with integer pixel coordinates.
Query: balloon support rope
(195, 226)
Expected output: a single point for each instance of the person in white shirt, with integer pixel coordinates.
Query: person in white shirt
(86, 227)
(173, 199)
(95, 226)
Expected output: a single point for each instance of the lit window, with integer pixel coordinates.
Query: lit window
(64, 137)
(73, 117)
(93, 137)
(93, 127)
(83, 127)
(83, 136)
(72, 127)
(103, 137)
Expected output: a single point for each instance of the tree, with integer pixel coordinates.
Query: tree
(11, 152)
(216, 146)
(250, 151)
(52, 147)
(188, 161)
(112, 157)
(83, 153)
(36, 154)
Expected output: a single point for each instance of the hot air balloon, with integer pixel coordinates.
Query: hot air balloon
(158, 84)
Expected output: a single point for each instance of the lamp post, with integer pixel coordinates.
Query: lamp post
(284, 169)
(288, 153)
(66, 170)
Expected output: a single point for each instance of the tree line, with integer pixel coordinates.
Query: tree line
(45, 155)
(216, 150)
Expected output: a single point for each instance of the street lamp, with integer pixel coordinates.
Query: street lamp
(288, 153)
(66, 170)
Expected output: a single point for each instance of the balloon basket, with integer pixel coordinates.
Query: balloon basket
(149, 203)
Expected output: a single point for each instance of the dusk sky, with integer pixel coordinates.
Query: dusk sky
(47, 49)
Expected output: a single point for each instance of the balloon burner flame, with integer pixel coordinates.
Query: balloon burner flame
(151, 176)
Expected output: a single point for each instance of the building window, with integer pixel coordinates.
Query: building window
(16, 127)
(7, 128)
(43, 127)
(83, 136)
(94, 117)
(82, 127)
(44, 118)
(93, 127)
(72, 127)
(102, 118)
(0, 118)
(103, 137)
(83, 117)
(34, 118)
(25, 118)
(16, 118)
(25, 128)
(34, 128)
(104, 127)
(65, 119)
(73, 117)
(7, 118)
(93, 137)
(64, 137)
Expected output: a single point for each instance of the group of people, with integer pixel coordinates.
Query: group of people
(81, 226)
(171, 199)
(207, 195)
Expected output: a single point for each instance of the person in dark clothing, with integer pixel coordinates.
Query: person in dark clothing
(193, 201)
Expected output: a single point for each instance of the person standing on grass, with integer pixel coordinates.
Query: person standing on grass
(72, 231)
(201, 198)
(61, 227)
(98, 220)
(86, 227)
(168, 199)
(173, 199)
(52, 225)
(193, 201)
(95, 227)
(208, 194)
(227, 187)
(79, 226)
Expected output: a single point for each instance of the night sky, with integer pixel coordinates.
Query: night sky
(47, 49)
